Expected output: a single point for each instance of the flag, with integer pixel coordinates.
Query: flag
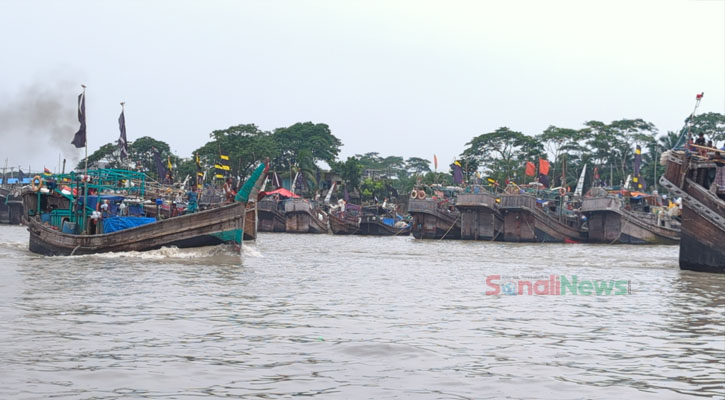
(222, 167)
(160, 169)
(435, 162)
(79, 140)
(122, 143)
(544, 180)
(596, 173)
(199, 171)
(543, 166)
(530, 168)
(457, 172)
(699, 96)
(21, 176)
(637, 165)
(46, 171)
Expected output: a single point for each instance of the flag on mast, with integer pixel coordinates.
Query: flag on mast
(122, 142)
(435, 162)
(79, 140)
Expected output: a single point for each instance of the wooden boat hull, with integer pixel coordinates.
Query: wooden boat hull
(524, 221)
(614, 227)
(480, 220)
(341, 226)
(302, 217)
(429, 222)
(378, 228)
(271, 218)
(701, 244)
(211, 227)
(271, 221)
(703, 217)
(608, 222)
(11, 208)
(302, 222)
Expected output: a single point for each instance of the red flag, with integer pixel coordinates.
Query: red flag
(699, 96)
(435, 162)
(530, 168)
(543, 167)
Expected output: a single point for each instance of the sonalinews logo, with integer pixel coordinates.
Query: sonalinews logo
(555, 285)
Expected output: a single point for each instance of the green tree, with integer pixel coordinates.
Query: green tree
(350, 171)
(711, 124)
(417, 165)
(501, 153)
(316, 139)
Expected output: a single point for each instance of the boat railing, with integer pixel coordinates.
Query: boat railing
(476, 200)
(517, 201)
(590, 204)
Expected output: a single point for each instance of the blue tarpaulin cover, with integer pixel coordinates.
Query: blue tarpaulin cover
(115, 224)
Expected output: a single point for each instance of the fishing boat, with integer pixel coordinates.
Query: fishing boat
(382, 220)
(543, 216)
(687, 176)
(63, 220)
(696, 174)
(11, 207)
(629, 218)
(345, 218)
(435, 215)
(480, 217)
(304, 216)
(271, 210)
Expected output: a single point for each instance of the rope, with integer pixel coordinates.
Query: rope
(449, 229)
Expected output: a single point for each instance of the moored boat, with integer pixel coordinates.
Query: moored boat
(688, 176)
(271, 210)
(377, 220)
(480, 217)
(628, 219)
(434, 217)
(528, 219)
(303, 216)
(11, 207)
(345, 219)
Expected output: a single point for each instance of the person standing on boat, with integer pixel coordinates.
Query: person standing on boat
(229, 191)
(192, 201)
(700, 139)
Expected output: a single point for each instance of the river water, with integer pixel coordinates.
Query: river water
(355, 317)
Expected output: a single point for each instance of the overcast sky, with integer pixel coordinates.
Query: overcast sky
(409, 78)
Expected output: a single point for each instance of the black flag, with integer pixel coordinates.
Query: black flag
(79, 140)
(122, 144)
(160, 168)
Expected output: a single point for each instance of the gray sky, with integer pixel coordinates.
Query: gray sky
(409, 78)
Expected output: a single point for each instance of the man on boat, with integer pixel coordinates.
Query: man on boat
(700, 139)
(229, 191)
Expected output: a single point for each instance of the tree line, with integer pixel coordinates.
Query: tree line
(498, 156)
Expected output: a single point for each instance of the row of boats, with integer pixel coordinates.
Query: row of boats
(123, 214)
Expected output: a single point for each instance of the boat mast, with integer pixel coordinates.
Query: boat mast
(85, 172)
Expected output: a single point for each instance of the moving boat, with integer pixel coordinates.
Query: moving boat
(304, 216)
(435, 216)
(480, 217)
(60, 222)
(629, 218)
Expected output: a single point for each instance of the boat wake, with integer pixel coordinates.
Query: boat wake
(219, 253)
